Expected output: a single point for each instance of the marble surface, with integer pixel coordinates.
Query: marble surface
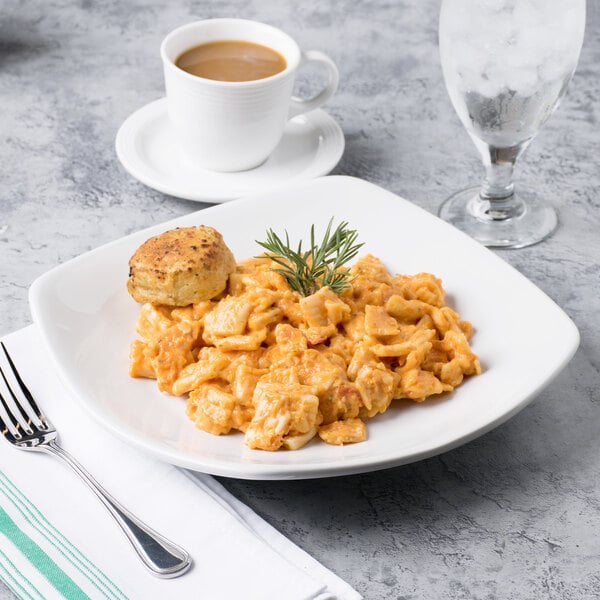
(514, 514)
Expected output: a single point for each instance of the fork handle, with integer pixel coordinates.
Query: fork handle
(161, 556)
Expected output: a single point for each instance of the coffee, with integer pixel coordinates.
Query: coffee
(235, 124)
(231, 60)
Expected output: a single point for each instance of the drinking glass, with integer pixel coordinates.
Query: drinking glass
(506, 64)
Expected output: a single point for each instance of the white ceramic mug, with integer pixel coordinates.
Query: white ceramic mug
(235, 125)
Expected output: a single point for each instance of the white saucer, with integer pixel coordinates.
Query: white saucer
(311, 146)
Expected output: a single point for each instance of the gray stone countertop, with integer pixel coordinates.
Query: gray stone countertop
(514, 514)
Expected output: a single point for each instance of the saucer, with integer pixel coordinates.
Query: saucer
(311, 146)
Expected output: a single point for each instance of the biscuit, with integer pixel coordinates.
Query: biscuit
(180, 267)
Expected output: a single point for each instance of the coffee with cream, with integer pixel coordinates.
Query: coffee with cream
(231, 60)
(230, 91)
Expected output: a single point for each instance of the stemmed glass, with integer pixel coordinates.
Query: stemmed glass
(506, 64)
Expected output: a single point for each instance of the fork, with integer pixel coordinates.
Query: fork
(25, 427)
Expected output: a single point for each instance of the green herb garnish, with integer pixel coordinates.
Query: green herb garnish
(320, 266)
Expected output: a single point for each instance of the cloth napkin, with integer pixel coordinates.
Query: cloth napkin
(58, 541)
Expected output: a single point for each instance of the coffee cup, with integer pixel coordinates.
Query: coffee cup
(235, 125)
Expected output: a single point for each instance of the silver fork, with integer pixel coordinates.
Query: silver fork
(24, 426)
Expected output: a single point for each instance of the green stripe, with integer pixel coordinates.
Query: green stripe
(96, 577)
(37, 557)
(8, 574)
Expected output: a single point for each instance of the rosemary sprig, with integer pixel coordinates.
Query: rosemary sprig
(320, 265)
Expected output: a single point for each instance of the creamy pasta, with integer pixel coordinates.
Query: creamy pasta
(283, 368)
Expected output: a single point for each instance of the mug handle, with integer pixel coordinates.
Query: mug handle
(299, 106)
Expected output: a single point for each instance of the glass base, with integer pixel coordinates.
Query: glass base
(519, 221)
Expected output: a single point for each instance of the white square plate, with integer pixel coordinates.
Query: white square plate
(522, 338)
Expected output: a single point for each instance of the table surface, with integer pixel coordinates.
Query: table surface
(514, 514)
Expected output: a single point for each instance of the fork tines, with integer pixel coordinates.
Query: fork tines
(19, 413)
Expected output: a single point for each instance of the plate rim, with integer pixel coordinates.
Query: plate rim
(260, 471)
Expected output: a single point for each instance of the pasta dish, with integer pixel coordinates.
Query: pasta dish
(284, 368)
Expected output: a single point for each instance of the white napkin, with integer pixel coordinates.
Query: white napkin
(57, 540)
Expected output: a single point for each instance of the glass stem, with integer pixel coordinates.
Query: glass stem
(498, 201)
(498, 183)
